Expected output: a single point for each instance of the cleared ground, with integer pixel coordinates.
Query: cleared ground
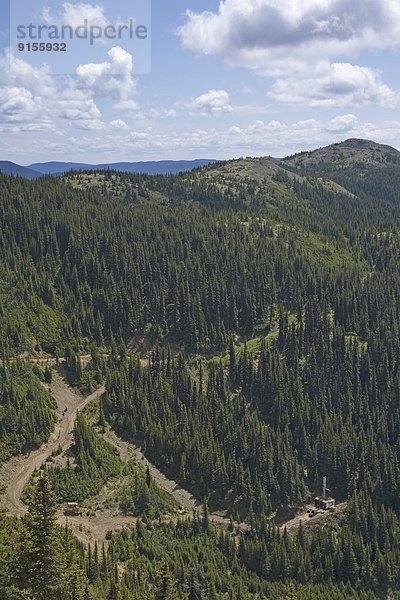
(16, 473)
(320, 519)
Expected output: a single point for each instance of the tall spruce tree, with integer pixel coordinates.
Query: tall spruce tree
(41, 565)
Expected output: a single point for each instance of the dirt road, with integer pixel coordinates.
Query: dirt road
(184, 498)
(16, 473)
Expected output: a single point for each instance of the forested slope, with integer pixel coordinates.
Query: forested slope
(367, 169)
(27, 410)
(269, 297)
(194, 263)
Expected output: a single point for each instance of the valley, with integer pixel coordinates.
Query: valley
(16, 473)
(186, 357)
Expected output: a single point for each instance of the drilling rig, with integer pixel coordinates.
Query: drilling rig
(324, 502)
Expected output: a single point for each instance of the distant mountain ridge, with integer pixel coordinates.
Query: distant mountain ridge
(358, 167)
(162, 167)
(10, 168)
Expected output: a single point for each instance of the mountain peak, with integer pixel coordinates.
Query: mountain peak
(344, 155)
(361, 166)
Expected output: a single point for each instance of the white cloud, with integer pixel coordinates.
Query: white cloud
(76, 14)
(212, 103)
(119, 124)
(78, 109)
(273, 36)
(167, 113)
(276, 138)
(89, 124)
(152, 114)
(301, 43)
(17, 105)
(30, 97)
(17, 72)
(273, 137)
(343, 85)
(126, 105)
(343, 123)
(32, 100)
(112, 78)
(23, 93)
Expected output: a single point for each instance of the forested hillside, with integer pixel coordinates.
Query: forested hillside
(245, 319)
(26, 410)
(192, 263)
(42, 561)
(367, 169)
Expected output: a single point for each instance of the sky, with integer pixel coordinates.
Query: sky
(211, 80)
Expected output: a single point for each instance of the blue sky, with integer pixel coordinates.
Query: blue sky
(227, 79)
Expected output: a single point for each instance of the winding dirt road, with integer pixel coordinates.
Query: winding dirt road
(16, 473)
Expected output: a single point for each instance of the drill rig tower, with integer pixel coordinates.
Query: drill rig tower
(323, 502)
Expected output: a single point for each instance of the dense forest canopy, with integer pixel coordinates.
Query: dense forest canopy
(268, 294)
(26, 410)
(194, 263)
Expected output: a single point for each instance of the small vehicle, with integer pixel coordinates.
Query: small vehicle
(312, 512)
(71, 509)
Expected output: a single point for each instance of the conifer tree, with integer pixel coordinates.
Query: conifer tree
(42, 566)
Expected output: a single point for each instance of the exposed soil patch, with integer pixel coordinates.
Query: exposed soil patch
(320, 519)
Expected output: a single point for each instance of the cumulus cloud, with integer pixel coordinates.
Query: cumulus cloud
(110, 78)
(17, 72)
(23, 93)
(32, 100)
(273, 137)
(90, 124)
(17, 105)
(78, 109)
(119, 124)
(126, 105)
(276, 138)
(272, 36)
(343, 123)
(301, 44)
(163, 113)
(343, 85)
(260, 137)
(75, 15)
(154, 114)
(30, 97)
(212, 103)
